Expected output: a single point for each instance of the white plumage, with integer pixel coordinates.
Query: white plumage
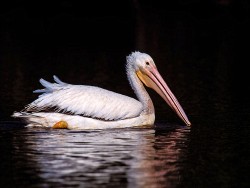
(84, 100)
(89, 107)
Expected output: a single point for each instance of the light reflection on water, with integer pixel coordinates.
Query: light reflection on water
(197, 54)
(127, 157)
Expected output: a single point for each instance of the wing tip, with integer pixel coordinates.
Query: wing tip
(58, 81)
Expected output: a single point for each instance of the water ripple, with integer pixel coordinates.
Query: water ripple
(117, 157)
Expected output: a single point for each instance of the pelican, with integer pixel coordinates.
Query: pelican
(63, 105)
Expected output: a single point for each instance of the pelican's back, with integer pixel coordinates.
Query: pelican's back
(84, 100)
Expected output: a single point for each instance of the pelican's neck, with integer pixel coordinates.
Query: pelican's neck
(140, 91)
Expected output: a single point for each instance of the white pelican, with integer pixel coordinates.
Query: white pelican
(63, 105)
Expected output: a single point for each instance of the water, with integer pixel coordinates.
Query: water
(127, 158)
(201, 55)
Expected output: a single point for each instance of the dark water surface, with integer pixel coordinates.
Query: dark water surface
(127, 158)
(200, 54)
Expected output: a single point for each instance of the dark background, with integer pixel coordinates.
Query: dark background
(86, 43)
(201, 48)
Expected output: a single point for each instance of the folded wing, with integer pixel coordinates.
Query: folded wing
(84, 100)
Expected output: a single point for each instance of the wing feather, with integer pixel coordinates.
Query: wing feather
(84, 100)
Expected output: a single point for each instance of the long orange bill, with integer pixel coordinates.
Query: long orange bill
(154, 80)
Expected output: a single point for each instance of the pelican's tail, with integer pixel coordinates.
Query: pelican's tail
(31, 119)
(30, 113)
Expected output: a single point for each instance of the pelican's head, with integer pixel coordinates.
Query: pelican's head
(146, 70)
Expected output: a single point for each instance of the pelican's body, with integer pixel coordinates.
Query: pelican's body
(89, 107)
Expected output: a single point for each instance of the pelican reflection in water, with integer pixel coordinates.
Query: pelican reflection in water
(63, 105)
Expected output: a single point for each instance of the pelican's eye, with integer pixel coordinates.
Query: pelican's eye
(147, 63)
